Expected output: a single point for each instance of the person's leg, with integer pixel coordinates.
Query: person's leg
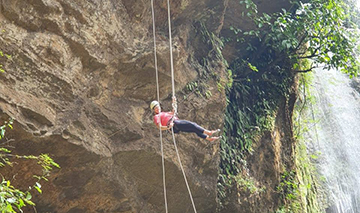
(188, 126)
(209, 138)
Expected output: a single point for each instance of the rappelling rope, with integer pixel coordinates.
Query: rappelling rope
(158, 99)
(171, 55)
(182, 169)
(174, 105)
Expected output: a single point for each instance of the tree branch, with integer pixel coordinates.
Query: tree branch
(303, 71)
(309, 56)
(312, 55)
(301, 41)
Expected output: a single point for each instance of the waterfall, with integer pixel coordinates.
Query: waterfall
(335, 135)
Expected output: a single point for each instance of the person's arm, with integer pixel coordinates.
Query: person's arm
(162, 127)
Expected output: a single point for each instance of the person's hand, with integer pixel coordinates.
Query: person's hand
(174, 99)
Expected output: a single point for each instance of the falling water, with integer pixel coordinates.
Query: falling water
(336, 136)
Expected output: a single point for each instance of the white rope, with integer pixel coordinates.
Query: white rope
(182, 169)
(175, 106)
(171, 55)
(158, 99)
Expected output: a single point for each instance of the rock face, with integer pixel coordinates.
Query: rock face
(78, 83)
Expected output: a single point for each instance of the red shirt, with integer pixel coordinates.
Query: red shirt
(165, 117)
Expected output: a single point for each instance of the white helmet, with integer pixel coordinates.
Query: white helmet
(154, 104)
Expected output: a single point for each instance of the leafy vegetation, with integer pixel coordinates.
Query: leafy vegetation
(248, 183)
(250, 112)
(207, 61)
(320, 28)
(309, 194)
(299, 189)
(13, 199)
(288, 187)
(277, 49)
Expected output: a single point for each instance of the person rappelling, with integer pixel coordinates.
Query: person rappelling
(168, 120)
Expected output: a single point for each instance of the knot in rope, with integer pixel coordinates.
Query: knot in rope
(174, 105)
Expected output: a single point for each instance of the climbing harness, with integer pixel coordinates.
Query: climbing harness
(174, 105)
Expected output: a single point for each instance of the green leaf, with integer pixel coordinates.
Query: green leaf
(5, 150)
(38, 189)
(21, 203)
(2, 133)
(28, 196)
(9, 208)
(253, 68)
(30, 202)
(267, 17)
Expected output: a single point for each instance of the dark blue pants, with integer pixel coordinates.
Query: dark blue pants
(188, 126)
